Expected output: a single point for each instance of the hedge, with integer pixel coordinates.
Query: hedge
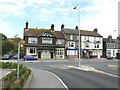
(10, 80)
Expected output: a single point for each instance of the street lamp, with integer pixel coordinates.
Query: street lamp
(111, 33)
(18, 61)
(19, 45)
(79, 32)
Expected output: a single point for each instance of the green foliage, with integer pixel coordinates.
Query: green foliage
(2, 36)
(10, 44)
(10, 80)
(7, 46)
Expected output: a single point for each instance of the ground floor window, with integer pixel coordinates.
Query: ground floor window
(71, 52)
(59, 52)
(31, 50)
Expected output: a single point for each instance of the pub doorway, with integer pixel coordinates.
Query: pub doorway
(51, 54)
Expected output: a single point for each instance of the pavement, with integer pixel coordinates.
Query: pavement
(45, 79)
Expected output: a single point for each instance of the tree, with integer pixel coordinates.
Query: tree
(10, 45)
(2, 36)
(7, 46)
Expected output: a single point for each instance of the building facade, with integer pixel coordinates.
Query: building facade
(110, 47)
(91, 43)
(44, 43)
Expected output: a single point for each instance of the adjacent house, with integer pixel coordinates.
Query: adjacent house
(110, 47)
(91, 43)
(71, 49)
(44, 43)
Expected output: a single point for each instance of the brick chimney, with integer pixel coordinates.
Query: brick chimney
(52, 27)
(110, 38)
(26, 25)
(62, 26)
(76, 27)
(95, 30)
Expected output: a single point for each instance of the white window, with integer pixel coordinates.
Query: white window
(32, 39)
(71, 37)
(94, 39)
(31, 51)
(46, 40)
(87, 44)
(113, 45)
(71, 44)
(60, 42)
(108, 45)
(113, 52)
(59, 52)
(77, 37)
(85, 38)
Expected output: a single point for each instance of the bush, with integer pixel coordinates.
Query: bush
(10, 80)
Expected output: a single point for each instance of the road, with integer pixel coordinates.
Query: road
(74, 78)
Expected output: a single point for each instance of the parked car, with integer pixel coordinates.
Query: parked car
(15, 56)
(6, 56)
(110, 58)
(29, 57)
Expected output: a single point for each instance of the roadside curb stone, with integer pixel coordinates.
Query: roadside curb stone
(28, 82)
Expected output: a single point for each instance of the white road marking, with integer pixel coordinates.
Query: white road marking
(59, 80)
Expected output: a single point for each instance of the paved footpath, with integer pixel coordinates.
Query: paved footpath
(45, 79)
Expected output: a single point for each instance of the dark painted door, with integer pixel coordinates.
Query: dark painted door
(51, 54)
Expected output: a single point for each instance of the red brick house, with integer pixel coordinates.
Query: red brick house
(44, 43)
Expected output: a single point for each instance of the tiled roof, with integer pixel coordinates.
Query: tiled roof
(82, 32)
(36, 32)
(108, 41)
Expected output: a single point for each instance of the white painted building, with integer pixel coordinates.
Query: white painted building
(91, 44)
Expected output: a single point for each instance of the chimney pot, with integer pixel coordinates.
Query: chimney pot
(76, 27)
(26, 24)
(95, 30)
(52, 27)
(62, 26)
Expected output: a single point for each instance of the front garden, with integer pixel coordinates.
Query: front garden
(10, 81)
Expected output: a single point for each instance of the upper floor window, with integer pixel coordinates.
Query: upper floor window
(85, 38)
(46, 40)
(71, 44)
(77, 37)
(97, 46)
(47, 34)
(60, 42)
(113, 45)
(32, 39)
(71, 37)
(108, 45)
(94, 39)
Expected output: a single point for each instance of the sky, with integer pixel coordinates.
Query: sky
(89, 14)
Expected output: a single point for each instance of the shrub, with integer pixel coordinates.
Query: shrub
(10, 80)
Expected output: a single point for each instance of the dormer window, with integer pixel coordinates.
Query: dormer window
(47, 34)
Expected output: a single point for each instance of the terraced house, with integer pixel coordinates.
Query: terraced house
(110, 47)
(91, 43)
(44, 43)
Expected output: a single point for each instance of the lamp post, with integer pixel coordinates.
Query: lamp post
(18, 61)
(111, 35)
(18, 70)
(79, 33)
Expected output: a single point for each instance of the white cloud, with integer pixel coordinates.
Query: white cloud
(102, 15)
